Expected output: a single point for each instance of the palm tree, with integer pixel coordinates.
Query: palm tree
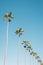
(25, 43)
(33, 54)
(38, 59)
(8, 16)
(19, 33)
(29, 48)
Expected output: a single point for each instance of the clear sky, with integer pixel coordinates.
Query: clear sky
(28, 14)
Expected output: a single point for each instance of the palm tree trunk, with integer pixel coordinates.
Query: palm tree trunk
(35, 63)
(4, 59)
(30, 59)
(33, 60)
(5, 55)
(18, 57)
(25, 58)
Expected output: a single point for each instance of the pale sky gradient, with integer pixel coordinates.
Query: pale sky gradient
(28, 14)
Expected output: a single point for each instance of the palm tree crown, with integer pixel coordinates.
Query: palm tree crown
(33, 53)
(25, 42)
(19, 31)
(37, 57)
(9, 16)
(29, 48)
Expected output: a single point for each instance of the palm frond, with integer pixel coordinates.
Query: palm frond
(17, 32)
(9, 14)
(26, 42)
(40, 61)
(5, 16)
(12, 16)
(37, 57)
(29, 47)
(21, 30)
(31, 53)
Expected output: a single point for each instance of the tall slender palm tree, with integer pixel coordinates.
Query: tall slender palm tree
(33, 54)
(29, 48)
(26, 43)
(8, 16)
(37, 58)
(19, 33)
(39, 61)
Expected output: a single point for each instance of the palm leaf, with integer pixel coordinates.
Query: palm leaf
(26, 42)
(31, 53)
(12, 16)
(37, 57)
(9, 14)
(17, 31)
(40, 61)
(29, 47)
(5, 16)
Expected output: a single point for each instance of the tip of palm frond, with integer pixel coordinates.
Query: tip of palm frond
(12, 16)
(17, 31)
(5, 16)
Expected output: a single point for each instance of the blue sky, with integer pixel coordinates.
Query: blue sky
(28, 14)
